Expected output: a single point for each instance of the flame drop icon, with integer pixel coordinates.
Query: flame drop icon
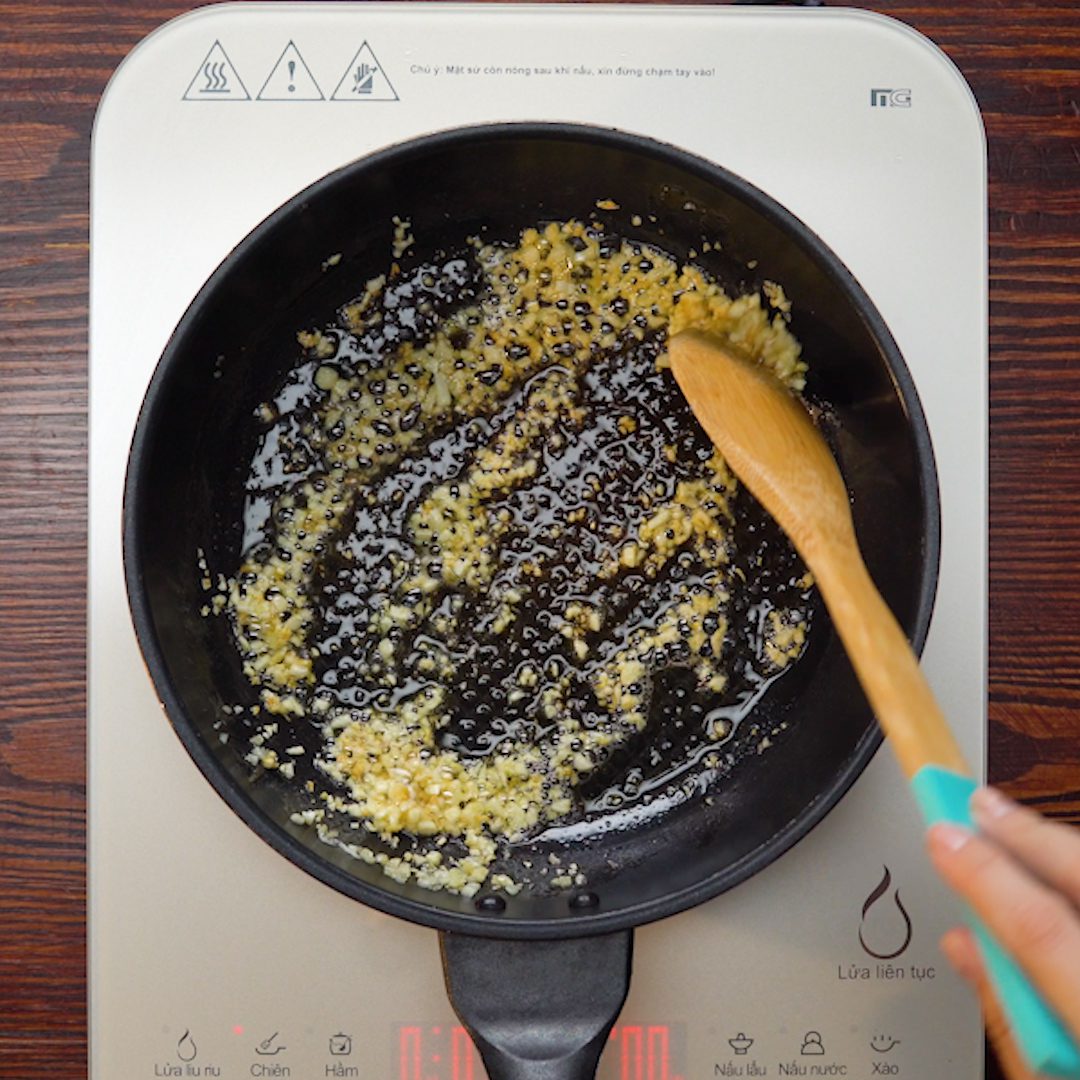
(186, 1048)
(902, 924)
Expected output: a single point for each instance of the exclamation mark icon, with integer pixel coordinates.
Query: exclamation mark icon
(290, 79)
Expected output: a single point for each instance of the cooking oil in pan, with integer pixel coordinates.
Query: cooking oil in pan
(557, 559)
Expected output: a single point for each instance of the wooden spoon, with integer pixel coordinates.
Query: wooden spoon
(771, 444)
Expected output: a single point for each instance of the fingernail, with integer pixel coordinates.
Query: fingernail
(948, 837)
(989, 804)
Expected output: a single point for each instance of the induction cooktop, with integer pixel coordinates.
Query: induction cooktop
(212, 956)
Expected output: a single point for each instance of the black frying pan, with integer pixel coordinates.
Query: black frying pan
(538, 978)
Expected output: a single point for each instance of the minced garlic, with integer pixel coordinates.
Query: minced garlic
(474, 550)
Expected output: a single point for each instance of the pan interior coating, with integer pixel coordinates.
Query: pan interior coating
(200, 428)
(495, 566)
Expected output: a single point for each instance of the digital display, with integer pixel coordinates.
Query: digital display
(438, 1053)
(645, 1052)
(635, 1052)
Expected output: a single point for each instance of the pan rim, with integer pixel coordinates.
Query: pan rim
(486, 924)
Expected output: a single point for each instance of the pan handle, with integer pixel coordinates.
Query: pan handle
(538, 1010)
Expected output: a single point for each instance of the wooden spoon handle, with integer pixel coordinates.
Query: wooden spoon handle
(884, 662)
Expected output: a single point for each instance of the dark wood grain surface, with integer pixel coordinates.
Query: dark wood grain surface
(1022, 59)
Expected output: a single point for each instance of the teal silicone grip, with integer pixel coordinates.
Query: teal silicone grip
(1048, 1048)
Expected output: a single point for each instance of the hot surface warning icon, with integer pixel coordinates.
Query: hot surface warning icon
(290, 79)
(364, 80)
(216, 79)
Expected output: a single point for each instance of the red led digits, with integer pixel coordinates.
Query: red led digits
(644, 1051)
(410, 1044)
(435, 1053)
(447, 1053)
(463, 1053)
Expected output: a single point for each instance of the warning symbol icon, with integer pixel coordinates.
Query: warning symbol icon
(216, 79)
(290, 79)
(364, 80)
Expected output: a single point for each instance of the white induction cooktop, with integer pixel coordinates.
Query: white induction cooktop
(212, 956)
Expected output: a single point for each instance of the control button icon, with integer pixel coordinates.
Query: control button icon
(741, 1043)
(270, 1046)
(882, 1044)
(340, 1044)
(812, 1045)
(885, 930)
(185, 1047)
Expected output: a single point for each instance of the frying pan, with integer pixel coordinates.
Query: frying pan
(539, 977)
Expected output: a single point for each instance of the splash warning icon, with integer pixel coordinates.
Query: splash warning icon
(364, 80)
(216, 79)
(290, 79)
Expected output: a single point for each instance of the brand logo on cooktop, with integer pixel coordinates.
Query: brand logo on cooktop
(890, 99)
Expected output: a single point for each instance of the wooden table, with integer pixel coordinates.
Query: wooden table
(1022, 57)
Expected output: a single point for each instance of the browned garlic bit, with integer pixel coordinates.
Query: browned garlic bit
(497, 535)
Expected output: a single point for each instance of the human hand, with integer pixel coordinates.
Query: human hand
(1021, 875)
